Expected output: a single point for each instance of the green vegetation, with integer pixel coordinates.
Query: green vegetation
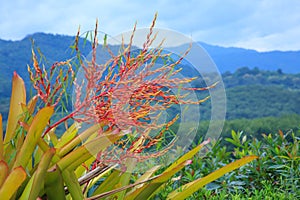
(256, 93)
(257, 127)
(255, 76)
(253, 101)
(275, 175)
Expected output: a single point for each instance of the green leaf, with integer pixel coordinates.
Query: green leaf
(85, 39)
(72, 184)
(36, 183)
(148, 189)
(189, 188)
(105, 40)
(276, 166)
(54, 185)
(233, 142)
(130, 163)
(188, 155)
(234, 135)
(108, 183)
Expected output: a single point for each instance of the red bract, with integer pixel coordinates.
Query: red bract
(128, 92)
(50, 86)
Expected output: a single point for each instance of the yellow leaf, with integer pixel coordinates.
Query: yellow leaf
(51, 136)
(147, 190)
(44, 147)
(96, 179)
(191, 187)
(281, 134)
(109, 183)
(31, 104)
(153, 186)
(69, 135)
(82, 168)
(4, 172)
(1, 139)
(138, 144)
(34, 133)
(144, 177)
(78, 139)
(12, 183)
(18, 97)
(88, 150)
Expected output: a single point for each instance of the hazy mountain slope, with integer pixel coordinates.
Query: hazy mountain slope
(15, 55)
(229, 59)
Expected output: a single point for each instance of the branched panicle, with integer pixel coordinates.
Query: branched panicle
(128, 88)
(50, 86)
(122, 93)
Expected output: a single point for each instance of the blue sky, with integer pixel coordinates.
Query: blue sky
(256, 24)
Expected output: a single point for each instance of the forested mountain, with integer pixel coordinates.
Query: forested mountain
(252, 92)
(231, 58)
(15, 55)
(259, 93)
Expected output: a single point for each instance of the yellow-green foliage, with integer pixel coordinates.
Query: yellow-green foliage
(58, 171)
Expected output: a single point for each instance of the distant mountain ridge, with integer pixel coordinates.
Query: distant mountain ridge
(15, 55)
(232, 58)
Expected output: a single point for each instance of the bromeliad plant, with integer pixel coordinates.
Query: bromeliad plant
(37, 164)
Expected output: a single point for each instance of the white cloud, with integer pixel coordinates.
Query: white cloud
(285, 40)
(262, 25)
